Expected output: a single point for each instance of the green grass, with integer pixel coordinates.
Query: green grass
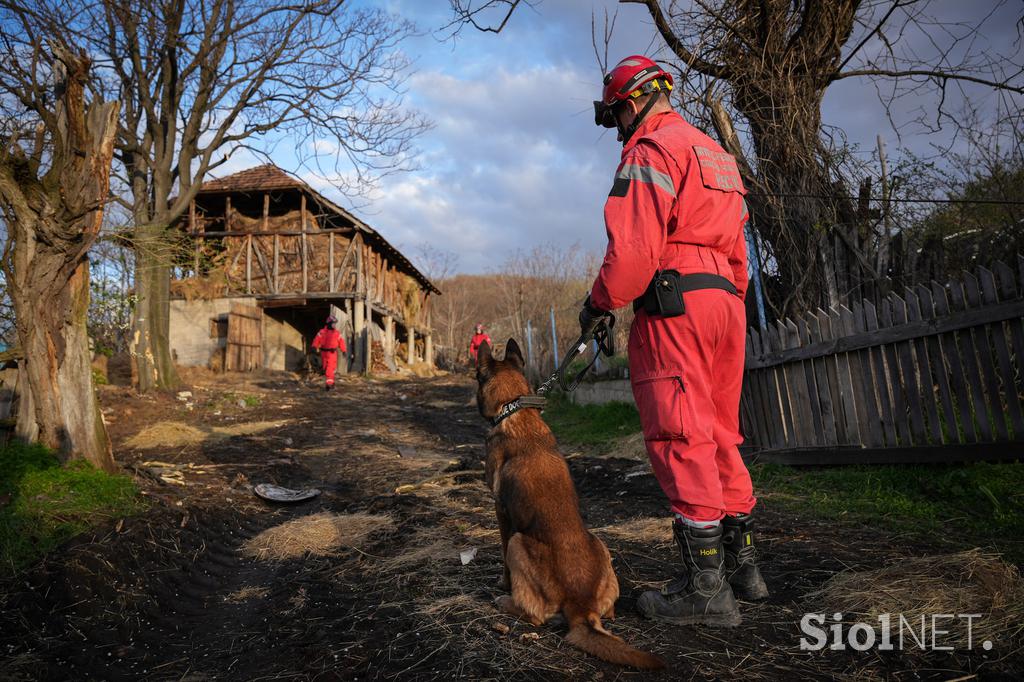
(963, 505)
(43, 504)
(595, 425)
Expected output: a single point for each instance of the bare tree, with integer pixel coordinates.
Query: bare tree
(201, 80)
(55, 163)
(757, 72)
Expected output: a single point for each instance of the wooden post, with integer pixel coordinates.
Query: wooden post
(389, 336)
(227, 213)
(368, 340)
(266, 212)
(411, 340)
(195, 235)
(277, 251)
(429, 349)
(360, 281)
(352, 347)
(330, 262)
(248, 264)
(358, 329)
(302, 245)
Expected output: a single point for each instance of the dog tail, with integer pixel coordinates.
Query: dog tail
(587, 633)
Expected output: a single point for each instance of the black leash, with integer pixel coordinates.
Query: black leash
(601, 331)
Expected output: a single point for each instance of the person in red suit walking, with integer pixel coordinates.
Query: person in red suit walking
(478, 340)
(676, 250)
(329, 342)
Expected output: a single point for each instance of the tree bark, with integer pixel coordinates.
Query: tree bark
(52, 221)
(151, 345)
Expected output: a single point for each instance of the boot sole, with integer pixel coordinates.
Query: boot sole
(714, 621)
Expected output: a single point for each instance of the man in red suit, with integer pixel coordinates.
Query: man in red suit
(329, 342)
(676, 251)
(478, 339)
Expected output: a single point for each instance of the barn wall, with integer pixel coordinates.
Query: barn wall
(283, 345)
(191, 342)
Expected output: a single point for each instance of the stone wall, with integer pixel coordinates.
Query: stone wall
(600, 392)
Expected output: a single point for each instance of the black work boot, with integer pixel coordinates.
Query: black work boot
(740, 569)
(701, 596)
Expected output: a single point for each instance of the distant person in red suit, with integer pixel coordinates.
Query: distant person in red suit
(478, 339)
(329, 342)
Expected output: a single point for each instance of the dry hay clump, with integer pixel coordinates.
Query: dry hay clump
(178, 434)
(320, 534)
(971, 582)
(647, 530)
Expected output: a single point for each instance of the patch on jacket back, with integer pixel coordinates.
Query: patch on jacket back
(718, 170)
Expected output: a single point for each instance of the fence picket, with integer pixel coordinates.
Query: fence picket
(796, 379)
(904, 353)
(900, 404)
(813, 401)
(871, 404)
(785, 411)
(828, 414)
(983, 346)
(858, 398)
(979, 405)
(1009, 390)
(957, 373)
(759, 399)
(884, 394)
(844, 385)
(938, 368)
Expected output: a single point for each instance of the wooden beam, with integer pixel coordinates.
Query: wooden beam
(283, 233)
(360, 281)
(344, 261)
(194, 229)
(305, 266)
(330, 262)
(248, 265)
(277, 253)
(227, 213)
(925, 454)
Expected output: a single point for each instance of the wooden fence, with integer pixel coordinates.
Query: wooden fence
(933, 375)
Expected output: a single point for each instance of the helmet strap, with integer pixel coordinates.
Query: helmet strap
(627, 131)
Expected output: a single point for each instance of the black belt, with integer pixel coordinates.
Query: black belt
(664, 295)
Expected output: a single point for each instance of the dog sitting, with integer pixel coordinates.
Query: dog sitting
(552, 562)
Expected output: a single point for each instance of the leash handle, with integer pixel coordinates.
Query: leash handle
(601, 331)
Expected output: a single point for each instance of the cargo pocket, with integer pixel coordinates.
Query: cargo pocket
(664, 409)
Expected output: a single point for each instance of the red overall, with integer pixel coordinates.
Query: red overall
(329, 342)
(477, 341)
(677, 203)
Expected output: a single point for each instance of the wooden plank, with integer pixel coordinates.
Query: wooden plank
(344, 262)
(1007, 378)
(1008, 291)
(832, 378)
(227, 213)
(925, 454)
(872, 404)
(277, 256)
(957, 373)
(979, 406)
(264, 268)
(330, 262)
(858, 394)
(302, 245)
(887, 411)
(820, 377)
(844, 384)
(923, 371)
(776, 428)
(939, 369)
(908, 374)
(192, 228)
(900, 412)
(759, 398)
(777, 335)
(248, 265)
(983, 348)
(797, 334)
(961, 319)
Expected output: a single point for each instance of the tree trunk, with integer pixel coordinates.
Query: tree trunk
(150, 342)
(53, 219)
(63, 412)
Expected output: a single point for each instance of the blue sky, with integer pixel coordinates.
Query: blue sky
(514, 159)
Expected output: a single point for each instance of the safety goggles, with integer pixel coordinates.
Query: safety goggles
(604, 115)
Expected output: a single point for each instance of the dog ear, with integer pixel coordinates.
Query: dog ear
(513, 354)
(483, 360)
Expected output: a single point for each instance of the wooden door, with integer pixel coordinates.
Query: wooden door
(244, 352)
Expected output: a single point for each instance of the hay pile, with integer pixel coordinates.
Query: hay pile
(963, 583)
(178, 434)
(320, 534)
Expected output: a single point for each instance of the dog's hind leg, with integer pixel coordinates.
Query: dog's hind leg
(532, 583)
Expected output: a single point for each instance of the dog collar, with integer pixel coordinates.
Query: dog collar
(533, 402)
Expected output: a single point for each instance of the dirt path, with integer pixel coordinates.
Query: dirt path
(172, 595)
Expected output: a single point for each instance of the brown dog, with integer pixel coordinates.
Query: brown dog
(552, 562)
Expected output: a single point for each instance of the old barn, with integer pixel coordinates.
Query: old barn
(266, 258)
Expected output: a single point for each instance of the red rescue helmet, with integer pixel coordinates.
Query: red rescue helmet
(632, 77)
